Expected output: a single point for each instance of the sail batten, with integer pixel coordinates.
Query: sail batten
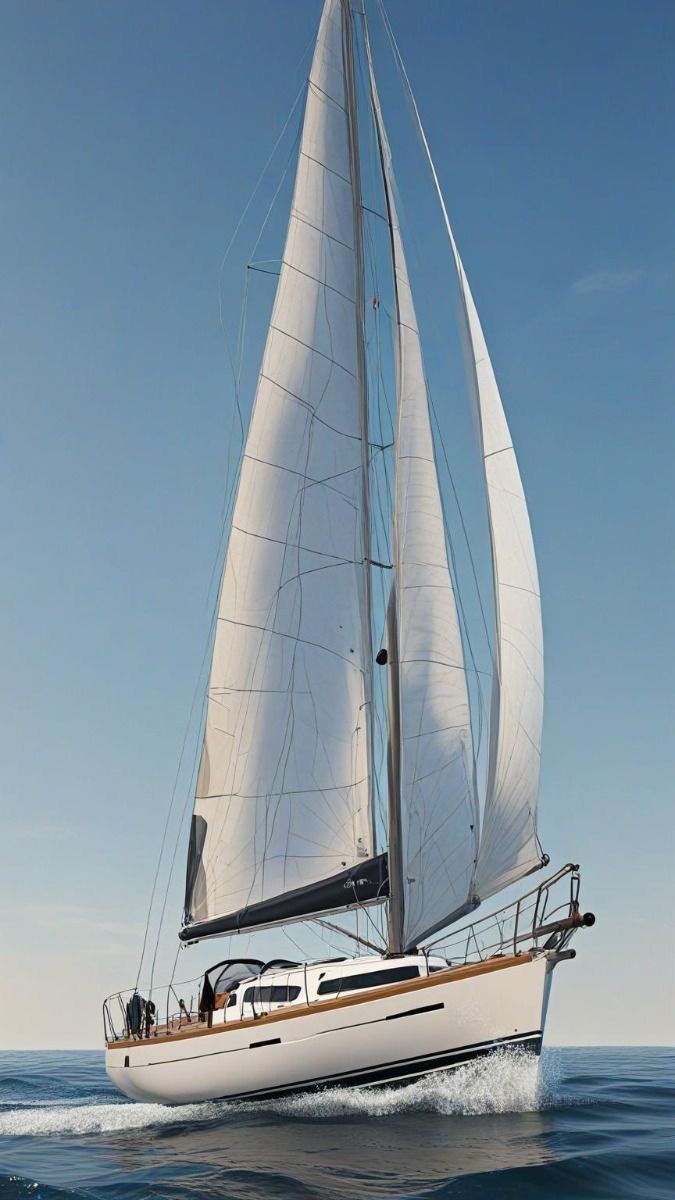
(282, 804)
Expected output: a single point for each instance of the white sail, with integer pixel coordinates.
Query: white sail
(434, 756)
(509, 847)
(282, 804)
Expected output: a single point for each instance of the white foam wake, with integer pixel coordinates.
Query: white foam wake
(97, 1118)
(506, 1082)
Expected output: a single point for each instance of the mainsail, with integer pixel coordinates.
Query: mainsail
(434, 810)
(282, 824)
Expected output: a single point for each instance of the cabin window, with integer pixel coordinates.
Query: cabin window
(351, 983)
(275, 994)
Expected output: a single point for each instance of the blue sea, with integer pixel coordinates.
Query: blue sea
(581, 1123)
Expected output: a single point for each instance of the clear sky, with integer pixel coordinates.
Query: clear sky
(130, 139)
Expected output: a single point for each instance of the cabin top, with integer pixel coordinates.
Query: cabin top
(240, 995)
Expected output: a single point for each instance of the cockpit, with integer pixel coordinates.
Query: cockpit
(222, 987)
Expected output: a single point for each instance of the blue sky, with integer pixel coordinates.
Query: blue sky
(131, 137)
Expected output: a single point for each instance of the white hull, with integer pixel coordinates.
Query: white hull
(430, 1025)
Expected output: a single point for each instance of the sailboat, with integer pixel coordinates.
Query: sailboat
(284, 827)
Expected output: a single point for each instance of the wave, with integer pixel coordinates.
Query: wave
(15, 1187)
(97, 1118)
(506, 1082)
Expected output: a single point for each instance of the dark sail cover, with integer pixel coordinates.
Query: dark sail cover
(365, 882)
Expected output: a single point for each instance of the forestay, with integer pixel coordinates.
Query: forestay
(282, 824)
(430, 728)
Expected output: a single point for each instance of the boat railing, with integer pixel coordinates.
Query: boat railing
(128, 1015)
(543, 919)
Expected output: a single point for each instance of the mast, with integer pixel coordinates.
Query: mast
(394, 843)
(395, 911)
(433, 810)
(362, 374)
(395, 905)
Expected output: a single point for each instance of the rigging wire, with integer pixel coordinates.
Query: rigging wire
(236, 360)
(174, 793)
(188, 797)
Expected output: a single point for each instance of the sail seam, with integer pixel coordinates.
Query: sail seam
(523, 730)
(495, 487)
(331, 171)
(518, 588)
(338, 558)
(321, 282)
(411, 737)
(418, 587)
(312, 411)
(312, 349)
(435, 662)
(292, 637)
(297, 216)
(517, 650)
(224, 690)
(315, 88)
(338, 787)
(416, 458)
(309, 479)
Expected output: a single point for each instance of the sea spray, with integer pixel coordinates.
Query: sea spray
(504, 1082)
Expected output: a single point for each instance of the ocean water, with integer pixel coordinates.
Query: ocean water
(581, 1123)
